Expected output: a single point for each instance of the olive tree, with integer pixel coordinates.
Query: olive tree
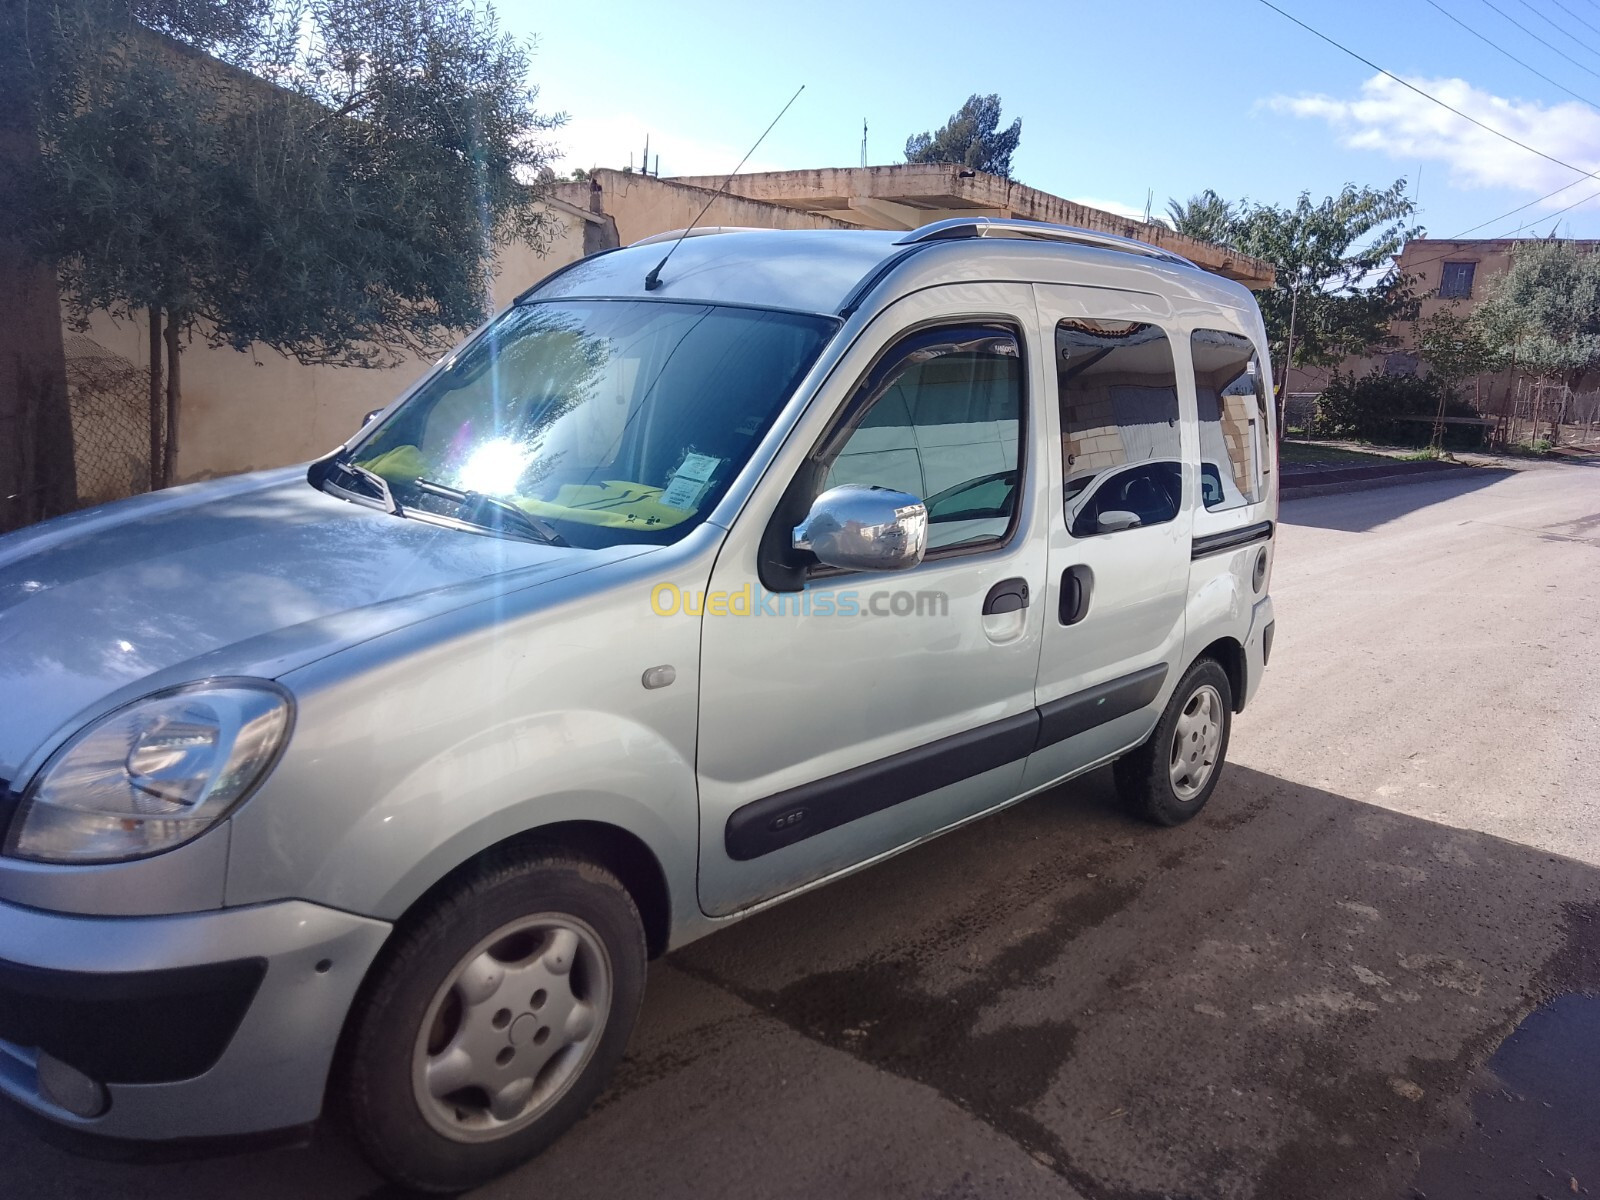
(326, 178)
(1543, 312)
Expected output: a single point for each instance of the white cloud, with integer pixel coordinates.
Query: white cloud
(1117, 207)
(614, 141)
(1393, 120)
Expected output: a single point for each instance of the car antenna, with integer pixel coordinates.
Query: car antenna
(653, 280)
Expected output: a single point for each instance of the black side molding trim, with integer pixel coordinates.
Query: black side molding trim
(1082, 711)
(1216, 543)
(784, 818)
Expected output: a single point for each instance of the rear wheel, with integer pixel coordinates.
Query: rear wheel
(494, 1020)
(1169, 779)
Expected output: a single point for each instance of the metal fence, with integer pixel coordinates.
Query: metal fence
(1540, 411)
(1527, 412)
(109, 398)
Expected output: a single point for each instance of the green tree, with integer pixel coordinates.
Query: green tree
(1455, 349)
(972, 137)
(1543, 312)
(1338, 290)
(328, 178)
(1206, 217)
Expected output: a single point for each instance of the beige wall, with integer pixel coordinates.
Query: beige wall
(247, 411)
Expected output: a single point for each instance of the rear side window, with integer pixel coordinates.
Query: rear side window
(1232, 398)
(1120, 448)
(941, 418)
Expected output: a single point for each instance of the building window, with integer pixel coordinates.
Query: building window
(1119, 425)
(1455, 280)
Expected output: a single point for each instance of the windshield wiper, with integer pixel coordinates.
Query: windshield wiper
(509, 514)
(385, 492)
(380, 485)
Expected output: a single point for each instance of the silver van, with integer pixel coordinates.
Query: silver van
(681, 588)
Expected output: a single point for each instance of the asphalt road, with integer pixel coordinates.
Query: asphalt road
(1294, 996)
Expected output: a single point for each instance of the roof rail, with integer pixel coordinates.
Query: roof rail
(1002, 227)
(673, 235)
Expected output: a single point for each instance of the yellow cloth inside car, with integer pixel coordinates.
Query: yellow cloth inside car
(403, 464)
(613, 502)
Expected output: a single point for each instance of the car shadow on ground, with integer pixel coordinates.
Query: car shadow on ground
(1359, 511)
(1292, 996)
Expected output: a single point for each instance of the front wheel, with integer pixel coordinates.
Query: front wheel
(1169, 779)
(494, 1020)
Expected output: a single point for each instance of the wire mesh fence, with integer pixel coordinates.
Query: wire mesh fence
(109, 398)
(1535, 411)
(1526, 412)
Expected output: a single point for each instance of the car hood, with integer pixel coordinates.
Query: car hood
(254, 575)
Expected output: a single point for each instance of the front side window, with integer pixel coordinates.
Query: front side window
(941, 418)
(1122, 458)
(604, 421)
(1232, 398)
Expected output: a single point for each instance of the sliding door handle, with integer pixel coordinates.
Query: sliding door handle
(1077, 583)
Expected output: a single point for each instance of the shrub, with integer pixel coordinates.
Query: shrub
(1369, 407)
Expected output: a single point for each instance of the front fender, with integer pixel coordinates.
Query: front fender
(417, 750)
(506, 780)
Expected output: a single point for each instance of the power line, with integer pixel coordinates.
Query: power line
(1540, 40)
(1497, 46)
(1462, 236)
(1426, 96)
(1574, 15)
(1567, 32)
(1557, 213)
(1519, 208)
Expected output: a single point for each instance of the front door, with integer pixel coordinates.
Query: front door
(1120, 524)
(867, 710)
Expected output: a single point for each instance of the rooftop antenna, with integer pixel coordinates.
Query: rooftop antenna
(863, 141)
(653, 280)
(644, 163)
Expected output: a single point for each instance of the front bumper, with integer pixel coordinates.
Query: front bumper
(199, 1025)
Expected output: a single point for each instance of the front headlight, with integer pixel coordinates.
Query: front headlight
(152, 775)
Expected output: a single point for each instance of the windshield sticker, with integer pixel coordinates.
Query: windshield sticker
(683, 492)
(696, 468)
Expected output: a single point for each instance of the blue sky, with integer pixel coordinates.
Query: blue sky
(1115, 99)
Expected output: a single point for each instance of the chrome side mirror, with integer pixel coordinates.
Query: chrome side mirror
(865, 529)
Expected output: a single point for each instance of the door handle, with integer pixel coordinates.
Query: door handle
(1009, 595)
(1076, 585)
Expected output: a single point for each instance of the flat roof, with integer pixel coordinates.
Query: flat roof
(908, 195)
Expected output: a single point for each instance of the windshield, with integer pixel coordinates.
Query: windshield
(608, 421)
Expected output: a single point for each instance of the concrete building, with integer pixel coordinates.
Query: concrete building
(1447, 273)
(252, 410)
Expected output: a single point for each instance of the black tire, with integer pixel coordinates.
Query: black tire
(1144, 776)
(385, 1110)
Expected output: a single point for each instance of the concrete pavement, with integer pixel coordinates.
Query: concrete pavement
(1291, 997)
